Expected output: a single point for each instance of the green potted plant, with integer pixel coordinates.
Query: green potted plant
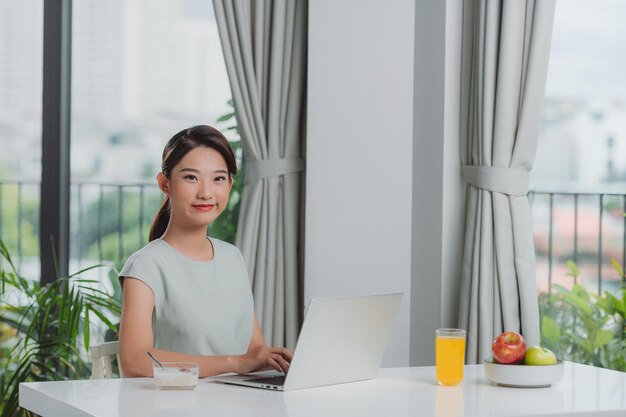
(47, 329)
(585, 327)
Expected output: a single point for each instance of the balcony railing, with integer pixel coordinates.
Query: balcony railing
(588, 228)
(109, 221)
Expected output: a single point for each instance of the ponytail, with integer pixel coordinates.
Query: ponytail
(161, 220)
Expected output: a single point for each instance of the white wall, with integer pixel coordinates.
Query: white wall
(384, 204)
(359, 153)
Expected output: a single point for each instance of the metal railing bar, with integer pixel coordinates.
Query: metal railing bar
(575, 231)
(79, 240)
(20, 220)
(1, 212)
(23, 182)
(120, 223)
(141, 214)
(550, 232)
(624, 240)
(609, 191)
(100, 214)
(86, 182)
(115, 183)
(601, 207)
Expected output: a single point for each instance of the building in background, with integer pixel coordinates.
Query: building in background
(141, 71)
(21, 60)
(581, 142)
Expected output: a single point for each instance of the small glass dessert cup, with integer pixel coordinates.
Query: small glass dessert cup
(176, 375)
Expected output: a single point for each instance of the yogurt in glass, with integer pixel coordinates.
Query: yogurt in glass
(176, 375)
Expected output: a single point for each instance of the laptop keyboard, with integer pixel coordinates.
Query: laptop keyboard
(273, 380)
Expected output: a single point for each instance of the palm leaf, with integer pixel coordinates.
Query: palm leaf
(86, 329)
(89, 268)
(52, 328)
(104, 319)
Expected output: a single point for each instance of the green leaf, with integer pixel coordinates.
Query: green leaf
(578, 302)
(86, 330)
(618, 268)
(89, 268)
(5, 254)
(580, 291)
(550, 330)
(105, 304)
(226, 117)
(573, 269)
(612, 304)
(49, 371)
(584, 343)
(104, 319)
(560, 288)
(602, 338)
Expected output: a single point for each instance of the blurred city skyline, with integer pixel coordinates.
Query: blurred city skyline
(143, 70)
(587, 56)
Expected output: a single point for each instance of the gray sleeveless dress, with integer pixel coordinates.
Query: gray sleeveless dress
(200, 307)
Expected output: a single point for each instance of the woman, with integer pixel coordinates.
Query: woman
(187, 297)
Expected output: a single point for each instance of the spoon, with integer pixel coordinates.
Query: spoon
(153, 359)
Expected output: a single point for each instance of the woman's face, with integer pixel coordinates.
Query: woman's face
(199, 186)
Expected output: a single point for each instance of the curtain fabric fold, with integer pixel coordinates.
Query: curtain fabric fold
(264, 44)
(506, 48)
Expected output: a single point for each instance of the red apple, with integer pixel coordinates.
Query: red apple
(509, 347)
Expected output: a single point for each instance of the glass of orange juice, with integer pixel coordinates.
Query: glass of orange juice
(449, 356)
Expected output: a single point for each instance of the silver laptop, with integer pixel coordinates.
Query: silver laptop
(343, 339)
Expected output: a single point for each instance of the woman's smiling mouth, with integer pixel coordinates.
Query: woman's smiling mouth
(203, 207)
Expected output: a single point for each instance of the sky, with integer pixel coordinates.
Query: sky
(199, 8)
(588, 56)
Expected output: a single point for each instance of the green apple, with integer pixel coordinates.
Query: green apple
(537, 355)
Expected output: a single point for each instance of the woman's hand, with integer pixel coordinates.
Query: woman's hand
(263, 358)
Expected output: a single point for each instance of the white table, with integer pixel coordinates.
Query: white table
(395, 392)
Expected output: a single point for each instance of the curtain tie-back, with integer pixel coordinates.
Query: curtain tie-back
(266, 168)
(510, 181)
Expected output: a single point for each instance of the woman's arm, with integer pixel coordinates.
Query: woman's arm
(136, 339)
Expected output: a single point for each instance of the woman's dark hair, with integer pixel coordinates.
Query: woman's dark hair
(175, 150)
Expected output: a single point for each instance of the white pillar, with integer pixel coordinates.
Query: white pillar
(383, 178)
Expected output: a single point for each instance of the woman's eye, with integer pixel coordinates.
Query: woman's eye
(220, 179)
(190, 177)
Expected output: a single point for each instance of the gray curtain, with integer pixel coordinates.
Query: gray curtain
(264, 44)
(505, 58)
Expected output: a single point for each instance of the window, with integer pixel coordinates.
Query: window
(141, 71)
(21, 60)
(578, 186)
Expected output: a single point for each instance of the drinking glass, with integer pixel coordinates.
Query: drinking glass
(449, 356)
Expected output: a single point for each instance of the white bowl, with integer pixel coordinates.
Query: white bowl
(534, 376)
(176, 375)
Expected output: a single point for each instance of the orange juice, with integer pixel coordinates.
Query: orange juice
(449, 358)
